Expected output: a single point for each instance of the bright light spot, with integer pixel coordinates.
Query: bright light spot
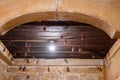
(52, 48)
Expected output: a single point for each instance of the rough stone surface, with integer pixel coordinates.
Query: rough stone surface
(113, 63)
(5, 55)
(56, 73)
(56, 69)
(58, 62)
(3, 70)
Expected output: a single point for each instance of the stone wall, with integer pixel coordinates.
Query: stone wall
(56, 69)
(53, 69)
(3, 70)
(56, 73)
(112, 62)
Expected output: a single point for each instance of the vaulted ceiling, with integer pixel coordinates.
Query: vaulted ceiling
(71, 39)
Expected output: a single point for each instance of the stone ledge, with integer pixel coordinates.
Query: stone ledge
(58, 62)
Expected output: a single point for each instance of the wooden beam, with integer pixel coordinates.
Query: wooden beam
(5, 55)
(50, 23)
(80, 46)
(59, 54)
(56, 55)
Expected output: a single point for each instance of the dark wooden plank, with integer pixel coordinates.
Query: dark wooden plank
(56, 55)
(59, 55)
(49, 23)
(62, 42)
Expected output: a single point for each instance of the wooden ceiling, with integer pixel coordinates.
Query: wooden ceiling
(72, 40)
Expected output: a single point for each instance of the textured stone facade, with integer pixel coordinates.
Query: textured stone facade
(3, 70)
(113, 62)
(56, 69)
(56, 73)
(98, 13)
(74, 69)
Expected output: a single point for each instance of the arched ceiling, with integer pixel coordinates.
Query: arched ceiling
(98, 13)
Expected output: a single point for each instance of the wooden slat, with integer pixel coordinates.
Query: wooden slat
(55, 55)
(46, 42)
(50, 23)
